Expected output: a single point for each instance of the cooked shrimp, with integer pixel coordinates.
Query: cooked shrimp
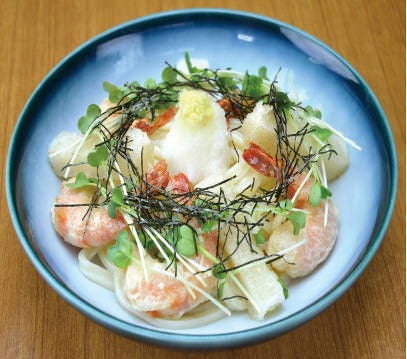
(261, 161)
(161, 120)
(164, 294)
(319, 236)
(257, 158)
(180, 184)
(302, 197)
(319, 241)
(78, 229)
(158, 176)
(231, 110)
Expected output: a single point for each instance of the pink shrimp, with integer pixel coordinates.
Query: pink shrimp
(230, 108)
(261, 161)
(319, 241)
(180, 184)
(163, 295)
(257, 158)
(76, 228)
(166, 296)
(158, 176)
(162, 119)
(319, 238)
(302, 198)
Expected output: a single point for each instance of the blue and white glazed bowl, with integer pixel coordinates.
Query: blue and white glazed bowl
(137, 50)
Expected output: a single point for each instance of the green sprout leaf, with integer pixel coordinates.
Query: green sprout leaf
(322, 133)
(227, 82)
(99, 156)
(191, 69)
(92, 113)
(260, 237)
(286, 204)
(325, 192)
(147, 243)
(262, 72)
(219, 271)
(283, 100)
(318, 193)
(185, 243)
(183, 239)
(112, 209)
(150, 83)
(84, 122)
(313, 112)
(115, 93)
(116, 201)
(208, 225)
(284, 285)
(81, 181)
(120, 253)
(298, 220)
(169, 75)
(315, 194)
(252, 85)
(109, 87)
(117, 196)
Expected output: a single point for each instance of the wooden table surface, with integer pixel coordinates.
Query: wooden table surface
(367, 322)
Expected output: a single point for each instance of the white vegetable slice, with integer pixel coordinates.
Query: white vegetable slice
(259, 281)
(259, 127)
(236, 303)
(141, 149)
(337, 164)
(245, 179)
(61, 151)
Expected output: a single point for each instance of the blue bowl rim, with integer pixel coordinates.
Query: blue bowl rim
(196, 341)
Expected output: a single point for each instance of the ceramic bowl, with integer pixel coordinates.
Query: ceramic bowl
(138, 50)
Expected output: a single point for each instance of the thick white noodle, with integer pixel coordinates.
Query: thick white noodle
(92, 271)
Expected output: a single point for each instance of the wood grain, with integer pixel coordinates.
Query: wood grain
(367, 322)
